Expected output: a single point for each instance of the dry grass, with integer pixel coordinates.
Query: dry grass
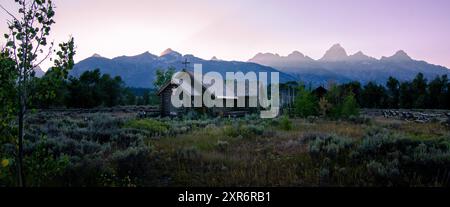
(212, 156)
(413, 129)
(272, 159)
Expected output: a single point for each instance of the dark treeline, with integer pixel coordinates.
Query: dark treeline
(91, 89)
(341, 101)
(418, 93)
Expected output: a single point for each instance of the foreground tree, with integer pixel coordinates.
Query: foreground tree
(26, 41)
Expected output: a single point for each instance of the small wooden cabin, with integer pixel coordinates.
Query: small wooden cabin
(167, 108)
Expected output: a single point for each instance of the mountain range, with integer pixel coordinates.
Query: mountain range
(139, 71)
(336, 65)
(339, 66)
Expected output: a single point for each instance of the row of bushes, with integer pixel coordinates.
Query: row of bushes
(94, 151)
(100, 150)
(104, 150)
(381, 159)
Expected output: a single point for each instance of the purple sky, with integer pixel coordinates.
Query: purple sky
(238, 29)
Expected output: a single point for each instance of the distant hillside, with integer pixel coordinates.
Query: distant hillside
(139, 71)
(337, 65)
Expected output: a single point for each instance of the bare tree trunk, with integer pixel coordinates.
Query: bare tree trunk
(20, 154)
(22, 105)
(22, 100)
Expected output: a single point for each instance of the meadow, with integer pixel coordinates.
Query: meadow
(119, 148)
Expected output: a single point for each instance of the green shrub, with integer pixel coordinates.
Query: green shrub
(244, 130)
(87, 171)
(329, 146)
(129, 138)
(349, 107)
(382, 159)
(388, 171)
(342, 106)
(133, 163)
(42, 166)
(285, 123)
(150, 125)
(359, 120)
(305, 103)
(222, 145)
(231, 131)
(255, 129)
(188, 154)
(7, 177)
(89, 147)
(104, 122)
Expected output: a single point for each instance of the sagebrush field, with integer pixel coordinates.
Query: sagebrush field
(116, 148)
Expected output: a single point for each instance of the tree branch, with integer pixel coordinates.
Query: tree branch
(9, 13)
(40, 39)
(45, 58)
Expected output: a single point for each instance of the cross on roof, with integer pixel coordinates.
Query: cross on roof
(186, 63)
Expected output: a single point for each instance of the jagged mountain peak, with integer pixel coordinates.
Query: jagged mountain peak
(266, 55)
(268, 58)
(143, 57)
(400, 55)
(335, 53)
(296, 54)
(337, 46)
(95, 55)
(146, 54)
(140, 71)
(169, 51)
(360, 53)
(360, 56)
